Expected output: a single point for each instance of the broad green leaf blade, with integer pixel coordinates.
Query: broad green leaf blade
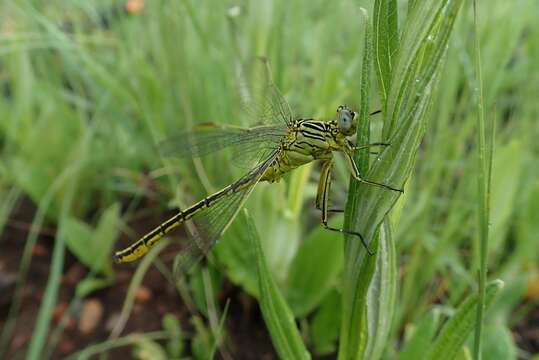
(325, 324)
(429, 23)
(175, 346)
(386, 43)
(355, 329)
(419, 57)
(418, 342)
(381, 297)
(277, 315)
(353, 335)
(93, 247)
(236, 254)
(105, 235)
(78, 239)
(396, 162)
(145, 348)
(498, 343)
(506, 177)
(457, 329)
(315, 269)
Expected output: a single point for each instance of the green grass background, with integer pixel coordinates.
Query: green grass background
(83, 106)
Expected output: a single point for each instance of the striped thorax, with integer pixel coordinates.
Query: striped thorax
(308, 140)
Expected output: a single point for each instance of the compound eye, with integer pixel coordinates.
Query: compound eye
(345, 119)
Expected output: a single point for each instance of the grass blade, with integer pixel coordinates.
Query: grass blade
(386, 44)
(353, 323)
(418, 343)
(49, 299)
(101, 347)
(419, 58)
(136, 280)
(381, 297)
(277, 315)
(483, 189)
(455, 332)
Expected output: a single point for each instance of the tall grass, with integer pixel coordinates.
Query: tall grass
(87, 96)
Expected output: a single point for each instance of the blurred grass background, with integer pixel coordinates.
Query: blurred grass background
(88, 89)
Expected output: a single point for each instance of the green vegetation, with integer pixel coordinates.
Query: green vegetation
(88, 91)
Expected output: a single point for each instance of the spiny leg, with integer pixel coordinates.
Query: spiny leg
(322, 200)
(357, 175)
(359, 147)
(325, 173)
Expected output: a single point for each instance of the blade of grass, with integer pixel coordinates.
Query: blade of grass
(106, 345)
(49, 299)
(455, 332)
(353, 337)
(31, 240)
(483, 188)
(277, 315)
(136, 280)
(381, 297)
(418, 343)
(7, 203)
(420, 24)
(386, 43)
(395, 163)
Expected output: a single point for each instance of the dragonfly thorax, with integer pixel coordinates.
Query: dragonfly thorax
(308, 140)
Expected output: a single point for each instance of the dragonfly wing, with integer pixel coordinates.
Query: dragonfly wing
(204, 140)
(262, 101)
(211, 222)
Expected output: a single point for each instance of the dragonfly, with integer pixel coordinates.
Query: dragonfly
(281, 144)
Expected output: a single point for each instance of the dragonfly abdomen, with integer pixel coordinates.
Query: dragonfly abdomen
(143, 245)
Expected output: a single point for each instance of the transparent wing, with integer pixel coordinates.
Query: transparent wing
(261, 100)
(247, 144)
(211, 222)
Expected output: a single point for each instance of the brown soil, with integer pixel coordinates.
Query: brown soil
(91, 321)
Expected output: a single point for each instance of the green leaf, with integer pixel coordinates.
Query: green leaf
(203, 342)
(200, 290)
(105, 235)
(145, 348)
(356, 279)
(277, 315)
(93, 248)
(325, 324)
(91, 284)
(315, 269)
(175, 345)
(48, 300)
(79, 237)
(235, 253)
(355, 328)
(506, 167)
(386, 43)
(421, 336)
(498, 343)
(457, 329)
(423, 45)
(381, 296)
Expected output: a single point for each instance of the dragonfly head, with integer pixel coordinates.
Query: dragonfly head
(346, 120)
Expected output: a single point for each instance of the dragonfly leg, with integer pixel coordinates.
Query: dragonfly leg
(325, 173)
(357, 176)
(322, 199)
(359, 147)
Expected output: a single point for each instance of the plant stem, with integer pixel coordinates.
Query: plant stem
(482, 189)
